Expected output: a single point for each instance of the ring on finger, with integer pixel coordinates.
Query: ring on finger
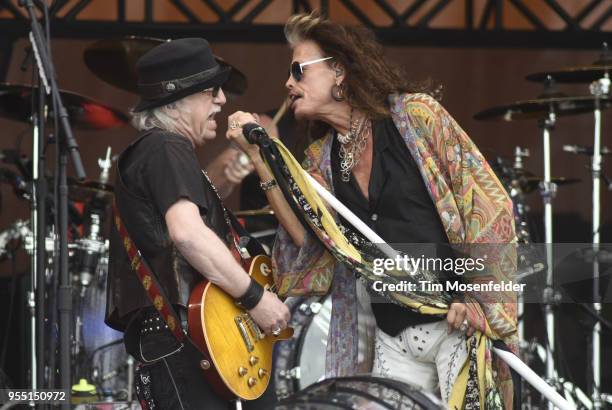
(243, 159)
(464, 326)
(276, 331)
(234, 125)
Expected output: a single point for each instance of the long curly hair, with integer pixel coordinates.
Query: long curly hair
(369, 77)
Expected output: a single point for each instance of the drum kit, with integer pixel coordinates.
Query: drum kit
(545, 109)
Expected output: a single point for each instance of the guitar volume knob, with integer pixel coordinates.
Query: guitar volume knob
(262, 373)
(252, 381)
(242, 371)
(253, 360)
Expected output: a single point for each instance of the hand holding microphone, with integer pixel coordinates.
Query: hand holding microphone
(235, 132)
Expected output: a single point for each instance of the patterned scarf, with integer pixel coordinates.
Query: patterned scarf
(473, 208)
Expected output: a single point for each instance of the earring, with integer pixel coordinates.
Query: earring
(337, 92)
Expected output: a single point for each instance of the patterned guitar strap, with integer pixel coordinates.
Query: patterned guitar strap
(244, 245)
(156, 293)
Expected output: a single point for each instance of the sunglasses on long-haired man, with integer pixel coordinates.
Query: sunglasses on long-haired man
(296, 68)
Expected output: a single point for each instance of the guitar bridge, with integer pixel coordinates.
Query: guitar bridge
(240, 323)
(255, 330)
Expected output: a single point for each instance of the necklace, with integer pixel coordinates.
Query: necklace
(350, 152)
(354, 127)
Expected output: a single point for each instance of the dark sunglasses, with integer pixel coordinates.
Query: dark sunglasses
(214, 91)
(296, 68)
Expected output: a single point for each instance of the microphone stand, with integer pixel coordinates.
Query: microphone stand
(39, 190)
(66, 145)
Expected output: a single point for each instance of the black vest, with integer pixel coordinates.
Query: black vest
(148, 230)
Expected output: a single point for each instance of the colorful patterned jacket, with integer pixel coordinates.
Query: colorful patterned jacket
(474, 208)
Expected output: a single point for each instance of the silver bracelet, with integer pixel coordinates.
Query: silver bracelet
(268, 185)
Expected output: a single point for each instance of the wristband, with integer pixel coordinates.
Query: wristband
(252, 296)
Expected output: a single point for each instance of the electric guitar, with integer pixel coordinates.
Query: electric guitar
(240, 352)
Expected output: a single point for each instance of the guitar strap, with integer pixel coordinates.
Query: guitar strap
(151, 285)
(246, 245)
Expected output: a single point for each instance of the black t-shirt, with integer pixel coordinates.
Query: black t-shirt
(164, 167)
(399, 209)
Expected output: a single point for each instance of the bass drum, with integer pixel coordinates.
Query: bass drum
(361, 392)
(300, 361)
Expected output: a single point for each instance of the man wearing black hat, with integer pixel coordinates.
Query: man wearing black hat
(177, 221)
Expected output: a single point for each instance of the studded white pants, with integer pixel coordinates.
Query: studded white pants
(423, 355)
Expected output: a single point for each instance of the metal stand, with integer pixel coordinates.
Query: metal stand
(598, 89)
(522, 233)
(66, 145)
(547, 191)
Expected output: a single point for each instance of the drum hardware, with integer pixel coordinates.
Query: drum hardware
(17, 232)
(519, 154)
(307, 309)
(98, 351)
(542, 108)
(91, 249)
(105, 164)
(546, 109)
(114, 62)
(584, 150)
(600, 89)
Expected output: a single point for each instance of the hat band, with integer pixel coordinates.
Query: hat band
(164, 89)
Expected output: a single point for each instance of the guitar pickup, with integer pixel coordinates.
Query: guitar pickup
(242, 328)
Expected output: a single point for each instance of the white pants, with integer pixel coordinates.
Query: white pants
(423, 355)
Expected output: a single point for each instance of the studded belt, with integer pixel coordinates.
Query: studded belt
(153, 323)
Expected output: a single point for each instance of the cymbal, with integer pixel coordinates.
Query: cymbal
(539, 108)
(86, 190)
(114, 62)
(83, 112)
(254, 212)
(583, 74)
(529, 182)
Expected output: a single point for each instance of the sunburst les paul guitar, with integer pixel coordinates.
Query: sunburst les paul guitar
(240, 352)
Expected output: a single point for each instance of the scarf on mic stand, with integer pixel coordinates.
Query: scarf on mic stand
(474, 208)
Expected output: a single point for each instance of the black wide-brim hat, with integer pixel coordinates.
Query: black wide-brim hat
(176, 69)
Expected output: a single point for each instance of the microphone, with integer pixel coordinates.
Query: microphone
(255, 133)
(585, 150)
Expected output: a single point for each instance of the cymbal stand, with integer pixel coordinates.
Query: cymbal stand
(598, 89)
(547, 191)
(517, 196)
